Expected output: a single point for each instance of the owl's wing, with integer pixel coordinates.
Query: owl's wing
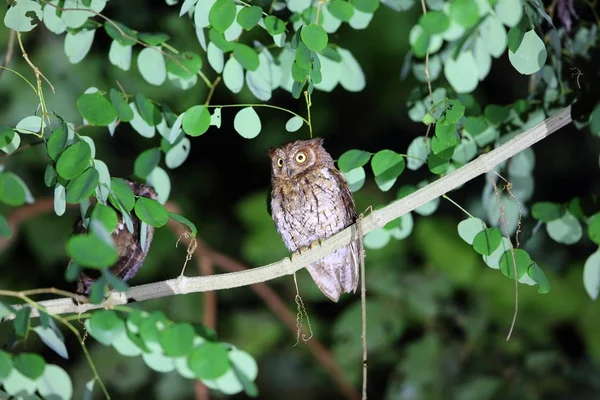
(321, 272)
(348, 273)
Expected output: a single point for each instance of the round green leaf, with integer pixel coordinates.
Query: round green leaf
(209, 360)
(355, 178)
(248, 17)
(434, 22)
(366, 6)
(124, 112)
(105, 215)
(247, 123)
(274, 25)
(74, 160)
(523, 261)
(353, 159)
(152, 66)
(12, 193)
(178, 153)
(496, 114)
(177, 340)
(114, 33)
(154, 39)
(314, 37)
(341, 9)
(188, 64)
(246, 56)
(196, 120)
(146, 162)
(55, 383)
(462, 73)
(531, 55)
(594, 228)
(82, 186)
(147, 110)
(52, 340)
(591, 275)
(91, 251)
(105, 326)
(29, 364)
(469, 228)
(547, 211)
(387, 165)
(96, 109)
(233, 75)
(486, 241)
(6, 364)
(293, 124)
(566, 230)
(464, 12)
(222, 15)
(151, 212)
(56, 143)
(6, 135)
(509, 11)
(123, 193)
(20, 16)
(538, 276)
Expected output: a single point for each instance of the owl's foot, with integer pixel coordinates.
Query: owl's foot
(303, 249)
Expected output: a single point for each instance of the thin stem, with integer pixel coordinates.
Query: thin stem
(308, 104)
(204, 78)
(457, 205)
(262, 105)
(212, 89)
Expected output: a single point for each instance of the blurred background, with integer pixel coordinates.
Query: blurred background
(437, 315)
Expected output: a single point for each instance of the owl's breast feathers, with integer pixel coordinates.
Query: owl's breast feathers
(316, 205)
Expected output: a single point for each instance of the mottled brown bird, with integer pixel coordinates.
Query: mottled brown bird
(311, 201)
(131, 253)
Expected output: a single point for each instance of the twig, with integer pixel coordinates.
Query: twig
(427, 76)
(9, 50)
(482, 164)
(35, 69)
(212, 90)
(363, 302)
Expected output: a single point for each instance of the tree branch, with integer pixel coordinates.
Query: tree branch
(375, 220)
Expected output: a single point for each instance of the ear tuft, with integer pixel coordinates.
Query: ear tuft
(318, 141)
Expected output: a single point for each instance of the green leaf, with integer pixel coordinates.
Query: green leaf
(105, 215)
(23, 16)
(538, 276)
(97, 291)
(299, 74)
(523, 261)
(6, 135)
(246, 56)
(22, 321)
(196, 120)
(566, 229)
(341, 9)
(123, 193)
(469, 228)
(387, 165)
(52, 340)
(114, 281)
(115, 34)
(486, 241)
(222, 15)
(91, 251)
(515, 38)
(96, 109)
(209, 360)
(496, 114)
(12, 193)
(434, 22)
(154, 39)
(219, 40)
(464, 12)
(178, 153)
(190, 64)
(146, 162)
(177, 340)
(185, 221)
(55, 383)
(462, 73)
(445, 140)
(353, 159)
(438, 165)
(274, 25)
(105, 326)
(366, 6)
(74, 160)
(82, 186)
(594, 228)
(591, 275)
(293, 124)
(124, 112)
(314, 37)
(151, 212)
(531, 55)
(454, 111)
(56, 143)
(247, 123)
(148, 111)
(547, 211)
(248, 17)
(29, 364)
(6, 365)
(5, 230)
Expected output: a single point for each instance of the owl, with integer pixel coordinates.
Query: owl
(311, 201)
(131, 253)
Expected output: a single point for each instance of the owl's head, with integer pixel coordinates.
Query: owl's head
(294, 158)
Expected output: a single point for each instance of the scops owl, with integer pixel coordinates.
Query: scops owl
(131, 253)
(311, 201)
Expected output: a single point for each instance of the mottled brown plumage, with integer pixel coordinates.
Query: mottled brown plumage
(311, 201)
(131, 254)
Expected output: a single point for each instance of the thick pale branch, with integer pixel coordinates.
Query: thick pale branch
(377, 219)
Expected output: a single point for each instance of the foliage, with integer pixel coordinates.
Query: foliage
(313, 51)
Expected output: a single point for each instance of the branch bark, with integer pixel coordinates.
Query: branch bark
(375, 220)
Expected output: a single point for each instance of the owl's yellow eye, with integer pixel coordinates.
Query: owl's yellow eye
(300, 157)
(280, 162)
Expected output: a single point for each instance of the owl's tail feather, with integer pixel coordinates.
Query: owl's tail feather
(323, 275)
(337, 272)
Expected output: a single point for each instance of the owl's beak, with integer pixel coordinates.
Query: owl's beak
(289, 171)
